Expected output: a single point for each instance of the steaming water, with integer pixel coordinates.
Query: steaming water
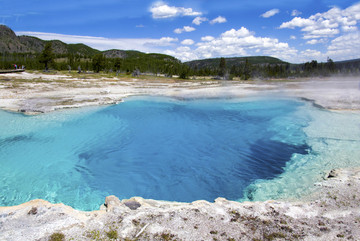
(241, 149)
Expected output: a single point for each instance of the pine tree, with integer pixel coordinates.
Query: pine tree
(47, 56)
(247, 70)
(98, 62)
(222, 67)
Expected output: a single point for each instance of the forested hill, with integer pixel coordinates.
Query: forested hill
(26, 50)
(235, 61)
(10, 43)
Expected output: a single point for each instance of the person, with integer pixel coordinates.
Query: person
(15, 66)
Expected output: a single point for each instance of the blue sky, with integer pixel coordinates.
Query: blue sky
(295, 31)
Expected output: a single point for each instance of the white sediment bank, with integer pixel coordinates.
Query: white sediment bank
(28, 92)
(332, 212)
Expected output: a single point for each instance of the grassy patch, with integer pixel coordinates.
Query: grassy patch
(167, 236)
(112, 234)
(57, 237)
(273, 236)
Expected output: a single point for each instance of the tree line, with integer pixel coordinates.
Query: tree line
(244, 70)
(162, 64)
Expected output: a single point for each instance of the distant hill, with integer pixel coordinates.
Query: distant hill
(234, 61)
(10, 43)
(132, 54)
(25, 50)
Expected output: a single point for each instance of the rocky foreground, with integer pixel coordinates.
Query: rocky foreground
(331, 213)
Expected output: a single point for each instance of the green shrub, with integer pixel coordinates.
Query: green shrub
(57, 237)
(112, 234)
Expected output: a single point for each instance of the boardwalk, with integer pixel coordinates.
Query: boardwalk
(7, 71)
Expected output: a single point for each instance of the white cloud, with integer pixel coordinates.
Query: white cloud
(327, 24)
(219, 19)
(316, 41)
(345, 47)
(207, 38)
(349, 28)
(186, 53)
(240, 33)
(311, 54)
(297, 22)
(292, 37)
(321, 33)
(341, 48)
(100, 43)
(162, 10)
(187, 42)
(270, 13)
(184, 29)
(241, 42)
(295, 13)
(164, 41)
(199, 20)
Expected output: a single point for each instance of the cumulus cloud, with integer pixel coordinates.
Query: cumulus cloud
(187, 42)
(100, 43)
(185, 51)
(199, 20)
(207, 38)
(292, 37)
(345, 47)
(349, 28)
(270, 13)
(184, 29)
(327, 24)
(316, 41)
(219, 19)
(298, 22)
(240, 42)
(311, 54)
(161, 10)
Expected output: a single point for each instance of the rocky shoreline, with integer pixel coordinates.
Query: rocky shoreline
(332, 212)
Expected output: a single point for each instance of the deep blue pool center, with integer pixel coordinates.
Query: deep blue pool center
(158, 148)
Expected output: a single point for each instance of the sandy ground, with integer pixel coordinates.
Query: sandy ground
(330, 213)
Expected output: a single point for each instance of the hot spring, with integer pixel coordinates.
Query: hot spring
(176, 150)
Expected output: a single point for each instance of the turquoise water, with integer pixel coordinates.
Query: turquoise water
(166, 149)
